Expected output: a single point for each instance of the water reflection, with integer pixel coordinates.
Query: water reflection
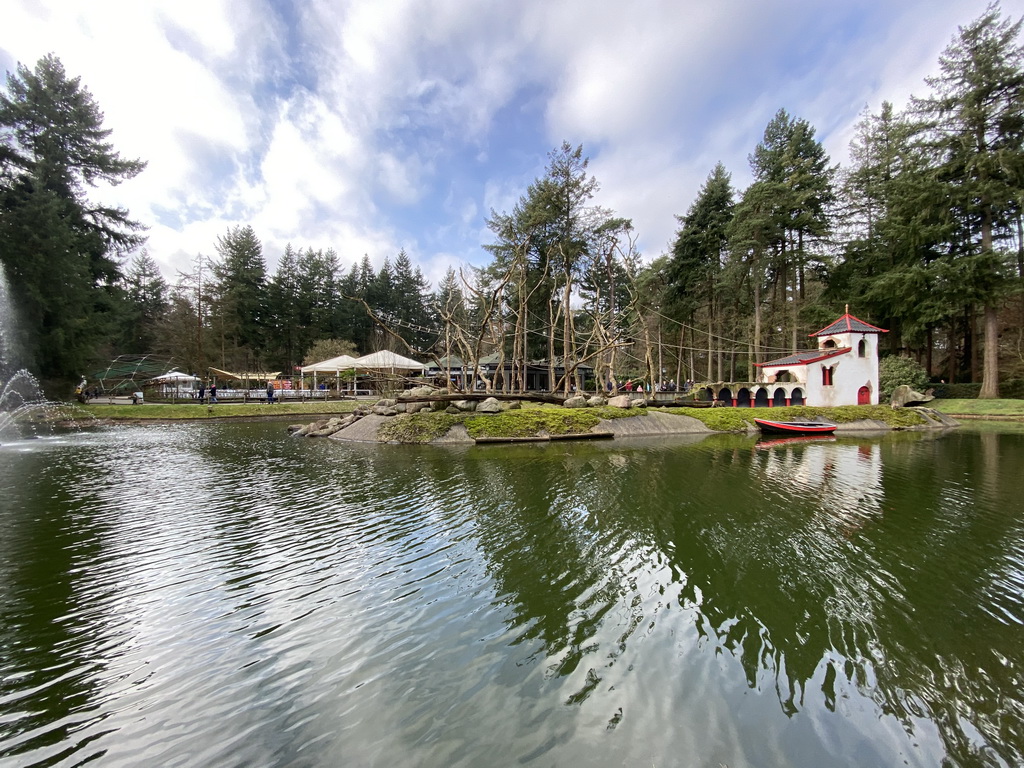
(253, 600)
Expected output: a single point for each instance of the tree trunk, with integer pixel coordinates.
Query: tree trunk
(952, 352)
(679, 358)
(990, 382)
(551, 342)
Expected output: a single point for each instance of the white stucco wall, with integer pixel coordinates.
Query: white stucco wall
(850, 371)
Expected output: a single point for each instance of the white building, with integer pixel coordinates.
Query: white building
(843, 370)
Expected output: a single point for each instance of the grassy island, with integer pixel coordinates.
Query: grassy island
(532, 420)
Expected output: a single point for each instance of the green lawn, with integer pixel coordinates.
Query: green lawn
(733, 419)
(173, 412)
(1004, 409)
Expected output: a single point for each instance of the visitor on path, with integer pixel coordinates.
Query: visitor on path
(213, 393)
(629, 385)
(270, 392)
(202, 392)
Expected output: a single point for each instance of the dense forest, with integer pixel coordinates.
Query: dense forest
(922, 233)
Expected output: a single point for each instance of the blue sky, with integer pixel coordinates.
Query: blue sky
(372, 126)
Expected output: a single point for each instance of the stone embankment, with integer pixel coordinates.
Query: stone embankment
(363, 423)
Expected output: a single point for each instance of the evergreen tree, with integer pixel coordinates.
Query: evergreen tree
(699, 250)
(974, 120)
(59, 249)
(240, 298)
(146, 296)
(411, 293)
(793, 165)
(285, 312)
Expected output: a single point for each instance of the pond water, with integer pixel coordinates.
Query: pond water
(225, 595)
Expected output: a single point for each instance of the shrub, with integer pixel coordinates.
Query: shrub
(896, 370)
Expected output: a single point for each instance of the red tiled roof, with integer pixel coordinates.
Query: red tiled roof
(804, 358)
(848, 324)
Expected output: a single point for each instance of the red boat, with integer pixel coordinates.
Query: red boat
(794, 427)
(792, 440)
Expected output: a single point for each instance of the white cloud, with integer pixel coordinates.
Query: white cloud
(345, 125)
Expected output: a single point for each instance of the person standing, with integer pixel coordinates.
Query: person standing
(202, 392)
(213, 393)
(270, 392)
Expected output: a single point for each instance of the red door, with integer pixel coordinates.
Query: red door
(863, 396)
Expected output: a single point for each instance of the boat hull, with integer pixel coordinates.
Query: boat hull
(794, 427)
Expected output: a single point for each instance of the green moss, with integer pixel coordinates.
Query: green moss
(418, 428)
(526, 423)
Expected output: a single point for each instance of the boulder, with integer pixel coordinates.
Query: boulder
(438, 405)
(416, 407)
(511, 405)
(465, 405)
(904, 396)
(490, 405)
(578, 401)
(596, 401)
(416, 392)
(329, 427)
(386, 402)
(452, 409)
(619, 401)
(384, 410)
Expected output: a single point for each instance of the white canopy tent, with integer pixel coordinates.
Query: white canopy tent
(174, 382)
(385, 360)
(333, 365)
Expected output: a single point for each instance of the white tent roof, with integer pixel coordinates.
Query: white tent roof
(172, 376)
(339, 363)
(386, 360)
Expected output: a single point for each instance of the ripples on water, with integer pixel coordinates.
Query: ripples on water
(224, 595)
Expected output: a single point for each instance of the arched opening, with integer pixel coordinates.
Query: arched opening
(761, 398)
(796, 397)
(707, 394)
(863, 395)
(743, 398)
(862, 348)
(725, 396)
(785, 375)
(830, 344)
(779, 398)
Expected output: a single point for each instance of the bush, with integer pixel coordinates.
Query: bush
(896, 370)
(1008, 390)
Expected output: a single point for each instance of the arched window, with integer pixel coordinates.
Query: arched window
(830, 344)
(826, 376)
(784, 375)
(862, 348)
(796, 397)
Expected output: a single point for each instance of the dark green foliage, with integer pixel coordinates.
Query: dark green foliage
(60, 250)
(146, 304)
(239, 311)
(896, 370)
(700, 248)
(972, 126)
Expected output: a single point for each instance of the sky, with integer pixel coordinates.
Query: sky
(370, 127)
